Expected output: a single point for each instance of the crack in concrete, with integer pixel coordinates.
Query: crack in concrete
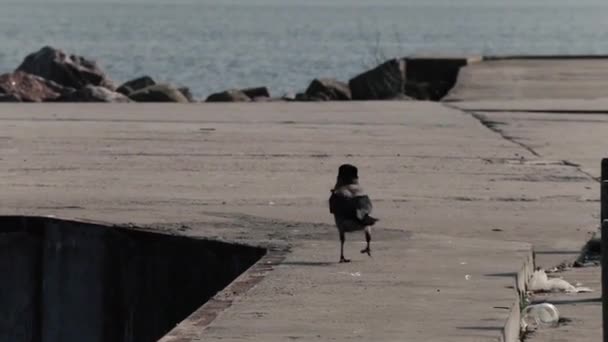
(580, 169)
(492, 125)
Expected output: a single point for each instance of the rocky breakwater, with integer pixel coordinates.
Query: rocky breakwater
(413, 78)
(395, 79)
(52, 75)
(408, 78)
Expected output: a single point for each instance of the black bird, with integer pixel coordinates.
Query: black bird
(351, 207)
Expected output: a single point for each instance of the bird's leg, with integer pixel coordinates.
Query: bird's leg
(342, 259)
(368, 239)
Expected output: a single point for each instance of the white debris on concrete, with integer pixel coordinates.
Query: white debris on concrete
(540, 282)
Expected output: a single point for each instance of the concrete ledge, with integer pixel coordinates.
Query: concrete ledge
(548, 57)
(193, 327)
(532, 77)
(441, 173)
(447, 59)
(512, 328)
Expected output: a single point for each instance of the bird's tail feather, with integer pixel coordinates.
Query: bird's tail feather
(369, 221)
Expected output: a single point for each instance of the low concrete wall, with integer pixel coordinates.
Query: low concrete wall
(78, 281)
(512, 328)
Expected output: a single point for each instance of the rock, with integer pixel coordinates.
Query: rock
(187, 93)
(231, 95)
(328, 89)
(252, 93)
(383, 82)
(258, 94)
(9, 98)
(401, 97)
(263, 99)
(317, 97)
(67, 70)
(134, 85)
(143, 82)
(301, 97)
(288, 97)
(23, 87)
(159, 93)
(91, 93)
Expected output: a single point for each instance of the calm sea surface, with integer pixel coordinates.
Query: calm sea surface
(211, 45)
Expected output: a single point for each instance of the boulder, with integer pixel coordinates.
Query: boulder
(328, 89)
(231, 95)
(140, 83)
(23, 87)
(385, 81)
(67, 70)
(187, 93)
(401, 97)
(159, 93)
(252, 93)
(289, 97)
(9, 98)
(134, 85)
(91, 93)
(301, 97)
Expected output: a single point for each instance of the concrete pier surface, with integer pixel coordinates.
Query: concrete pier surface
(532, 78)
(463, 197)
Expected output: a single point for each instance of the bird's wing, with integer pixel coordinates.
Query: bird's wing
(363, 205)
(350, 203)
(337, 202)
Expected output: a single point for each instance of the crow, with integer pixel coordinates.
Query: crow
(351, 207)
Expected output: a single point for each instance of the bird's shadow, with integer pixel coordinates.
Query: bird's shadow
(308, 263)
(318, 263)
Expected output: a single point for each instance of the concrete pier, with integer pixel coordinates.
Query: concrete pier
(462, 204)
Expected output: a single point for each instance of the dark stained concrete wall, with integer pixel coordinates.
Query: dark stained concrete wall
(73, 281)
(19, 287)
(432, 78)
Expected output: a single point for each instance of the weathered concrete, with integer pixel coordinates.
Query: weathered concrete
(560, 130)
(575, 133)
(554, 106)
(262, 173)
(420, 298)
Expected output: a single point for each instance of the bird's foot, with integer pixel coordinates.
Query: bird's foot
(343, 259)
(367, 250)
